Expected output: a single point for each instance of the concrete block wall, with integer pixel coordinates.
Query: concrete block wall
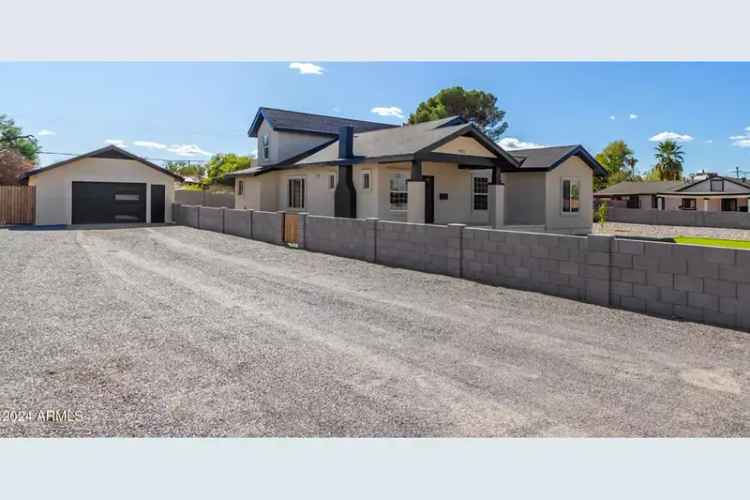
(211, 219)
(268, 226)
(704, 284)
(238, 222)
(697, 218)
(423, 247)
(547, 263)
(353, 238)
(204, 198)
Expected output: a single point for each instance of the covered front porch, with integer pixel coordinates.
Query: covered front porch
(704, 202)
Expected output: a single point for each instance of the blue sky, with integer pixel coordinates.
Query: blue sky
(189, 110)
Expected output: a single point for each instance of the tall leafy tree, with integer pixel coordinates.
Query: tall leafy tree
(619, 161)
(12, 165)
(186, 168)
(473, 105)
(221, 164)
(669, 160)
(12, 138)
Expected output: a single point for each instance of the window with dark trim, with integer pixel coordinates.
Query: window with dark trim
(729, 205)
(717, 185)
(654, 201)
(365, 180)
(634, 202)
(688, 204)
(571, 197)
(481, 192)
(331, 181)
(127, 197)
(240, 188)
(296, 192)
(399, 192)
(266, 147)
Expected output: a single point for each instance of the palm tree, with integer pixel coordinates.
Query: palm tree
(669, 159)
(631, 162)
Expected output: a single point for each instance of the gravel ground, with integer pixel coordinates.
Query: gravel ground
(172, 331)
(654, 231)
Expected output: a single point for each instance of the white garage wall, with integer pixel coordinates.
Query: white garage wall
(54, 187)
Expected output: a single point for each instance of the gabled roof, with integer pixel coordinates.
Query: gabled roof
(294, 121)
(105, 152)
(259, 169)
(543, 159)
(733, 180)
(404, 143)
(630, 188)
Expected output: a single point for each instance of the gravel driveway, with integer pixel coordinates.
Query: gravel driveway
(173, 331)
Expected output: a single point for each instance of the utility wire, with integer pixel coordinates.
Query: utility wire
(144, 157)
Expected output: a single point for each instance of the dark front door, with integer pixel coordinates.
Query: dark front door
(108, 202)
(157, 203)
(429, 199)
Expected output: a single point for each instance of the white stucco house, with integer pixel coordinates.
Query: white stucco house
(444, 171)
(105, 186)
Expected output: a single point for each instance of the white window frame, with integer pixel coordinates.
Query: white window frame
(266, 147)
(289, 192)
(573, 181)
(474, 194)
(331, 176)
(362, 175)
(391, 191)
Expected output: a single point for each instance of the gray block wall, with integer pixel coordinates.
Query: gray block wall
(186, 215)
(211, 219)
(709, 285)
(697, 218)
(423, 247)
(268, 226)
(238, 222)
(204, 198)
(353, 238)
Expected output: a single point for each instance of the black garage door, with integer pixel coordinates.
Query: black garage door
(108, 202)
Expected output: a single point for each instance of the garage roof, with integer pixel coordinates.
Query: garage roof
(105, 152)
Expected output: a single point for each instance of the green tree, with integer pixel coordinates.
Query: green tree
(221, 164)
(669, 160)
(186, 168)
(473, 105)
(12, 138)
(617, 158)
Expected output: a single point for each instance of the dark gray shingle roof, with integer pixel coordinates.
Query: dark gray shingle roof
(550, 157)
(627, 188)
(281, 119)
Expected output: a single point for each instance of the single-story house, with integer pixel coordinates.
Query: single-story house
(443, 171)
(108, 185)
(708, 193)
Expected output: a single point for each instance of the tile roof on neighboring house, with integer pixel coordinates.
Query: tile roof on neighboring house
(106, 152)
(628, 188)
(542, 159)
(294, 121)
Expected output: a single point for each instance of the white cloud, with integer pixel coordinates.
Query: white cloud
(187, 150)
(116, 142)
(388, 111)
(512, 143)
(709, 141)
(633, 116)
(741, 141)
(611, 117)
(307, 68)
(671, 136)
(150, 144)
(44, 131)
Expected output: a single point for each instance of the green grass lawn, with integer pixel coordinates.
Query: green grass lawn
(710, 242)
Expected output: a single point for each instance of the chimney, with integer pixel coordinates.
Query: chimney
(346, 142)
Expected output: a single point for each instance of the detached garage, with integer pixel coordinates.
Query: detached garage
(106, 186)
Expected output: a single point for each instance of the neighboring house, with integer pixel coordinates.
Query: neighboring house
(710, 193)
(444, 171)
(108, 185)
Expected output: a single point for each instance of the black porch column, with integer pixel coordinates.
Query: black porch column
(345, 196)
(416, 170)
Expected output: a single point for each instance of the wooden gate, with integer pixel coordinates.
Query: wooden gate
(291, 228)
(17, 204)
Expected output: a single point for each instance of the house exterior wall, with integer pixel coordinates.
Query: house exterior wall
(283, 145)
(54, 188)
(465, 146)
(556, 220)
(524, 198)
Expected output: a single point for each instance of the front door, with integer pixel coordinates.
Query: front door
(157, 203)
(429, 199)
